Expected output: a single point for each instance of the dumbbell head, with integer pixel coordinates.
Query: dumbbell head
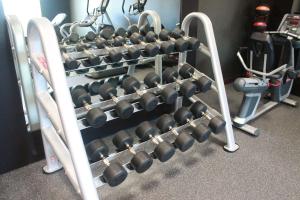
(164, 35)
(169, 74)
(152, 79)
(119, 41)
(96, 117)
(106, 90)
(80, 47)
(169, 95)
(164, 151)
(93, 87)
(101, 43)
(124, 109)
(203, 84)
(198, 109)
(107, 33)
(145, 29)
(182, 115)
(188, 89)
(132, 29)
(94, 60)
(120, 32)
(217, 124)
(141, 161)
(181, 45)
(194, 43)
(73, 38)
(133, 52)
(151, 50)
(114, 55)
(186, 70)
(79, 96)
(144, 130)
(184, 141)
(165, 122)
(96, 150)
(177, 33)
(71, 64)
(90, 36)
(167, 47)
(148, 101)
(122, 139)
(135, 38)
(201, 133)
(114, 174)
(150, 37)
(130, 84)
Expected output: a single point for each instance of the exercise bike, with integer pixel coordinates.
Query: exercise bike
(273, 65)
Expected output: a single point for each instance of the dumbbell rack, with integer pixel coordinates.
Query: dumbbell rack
(61, 134)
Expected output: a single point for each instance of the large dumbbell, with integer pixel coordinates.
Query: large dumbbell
(114, 174)
(168, 94)
(150, 49)
(92, 58)
(183, 141)
(163, 150)
(166, 47)
(141, 161)
(187, 88)
(123, 109)
(69, 62)
(148, 101)
(200, 132)
(216, 123)
(133, 52)
(95, 116)
(114, 54)
(193, 43)
(181, 45)
(188, 71)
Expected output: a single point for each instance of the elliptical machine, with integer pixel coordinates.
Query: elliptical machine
(273, 65)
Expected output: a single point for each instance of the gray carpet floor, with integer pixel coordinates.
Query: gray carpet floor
(266, 167)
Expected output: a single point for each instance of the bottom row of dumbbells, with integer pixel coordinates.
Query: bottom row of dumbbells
(114, 173)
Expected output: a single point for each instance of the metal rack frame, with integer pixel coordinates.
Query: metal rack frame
(61, 134)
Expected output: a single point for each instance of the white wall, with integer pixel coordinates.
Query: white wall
(169, 10)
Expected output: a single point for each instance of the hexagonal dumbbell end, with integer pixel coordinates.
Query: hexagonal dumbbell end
(151, 50)
(167, 47)
(198, 109)
(124, 109)
(186, 70)
(201, 133)
(204, 84)
(114, 174)
(169, 74)
(169, 95)
(194, 43)
(164, 151)
(184, 141)
(217, 124)
(141, 161)
(188, 89)
(181, 45)
(148, 102)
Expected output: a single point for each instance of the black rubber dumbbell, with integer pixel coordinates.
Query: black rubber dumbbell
(114, 174)
(163, 150)
(168, 94)
(133, 52)
(216, 123)
(166, 47)
(132, 29)
(180, 44)
(148, 101)
(193, 43)
(203, 83)
(141, 161)
(183, 141)
(73, 38)
(93, 87)
(92, 59)
(200, 132)
(114, 54)
(187, 88)
(95, 116)
(150, 49)
(123, 109)
(90, 36)
(69, 62)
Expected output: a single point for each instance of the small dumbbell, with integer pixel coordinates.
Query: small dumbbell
(200, 132)
(120, 32)
(90, 36)
(123, 109)
(166, 47)
(132, 29)
(114, 54)
(73, 38)
(216, 124)
(150, 50)
(69, 62)
(92, 58)
(114, 173)
(193, 43)
(183, 141)
(163, 150)
(93, 87)
(133, 52)
(95, 116)
(148, 101)
(168, 94)
(181, 45)
(187, 88)
(203, 83)
(141, 161)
